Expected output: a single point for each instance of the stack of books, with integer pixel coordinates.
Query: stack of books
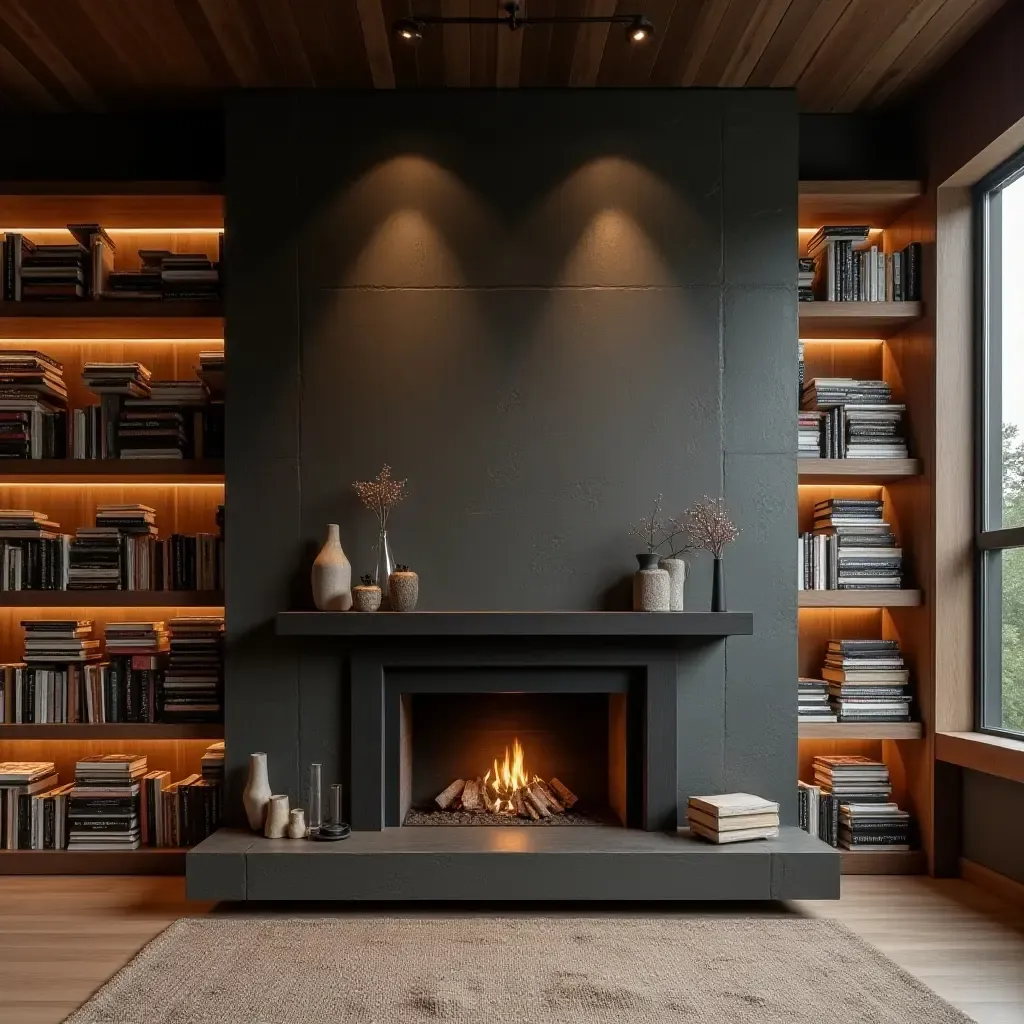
(212, 764)
(118, 553)
(34, 554)
(193, 562)
(134, 284)
(805, 279)
(137, 656)
(33, 406)
(857, 418)
(873, 826)
(59, 640)
(183, 813)
(131, 379)
(194, 681)
(846, 269)
(867, 681)
(809, 434)
(186, 275)
(211, 372)
(103, 810)
(732, 817)
(851, 548)
(58, 271)
(20, 781)
(812, 701)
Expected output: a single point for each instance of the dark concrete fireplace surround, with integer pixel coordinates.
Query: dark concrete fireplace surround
(544, 309)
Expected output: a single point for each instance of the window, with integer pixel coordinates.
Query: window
(1000, 219)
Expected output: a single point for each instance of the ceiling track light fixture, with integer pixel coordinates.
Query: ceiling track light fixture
(638, 27)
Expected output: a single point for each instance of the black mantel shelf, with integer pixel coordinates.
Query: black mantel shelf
(357, 625)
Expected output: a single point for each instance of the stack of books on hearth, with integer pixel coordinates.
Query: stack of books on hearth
(33, 406)
(33, 551)
(194, 681)
(103, 811)
(812, 701)
(21, 821)
(873, 826)
(732, 817)
(805, 279)
(851, 548)
(809, 434)
(867, 681)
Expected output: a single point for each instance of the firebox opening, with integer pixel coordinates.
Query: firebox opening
(514, 759)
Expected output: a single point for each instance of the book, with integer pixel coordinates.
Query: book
(726, 805)
(737, 836)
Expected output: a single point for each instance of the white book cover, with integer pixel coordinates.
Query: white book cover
(727, 805)
(739, 836)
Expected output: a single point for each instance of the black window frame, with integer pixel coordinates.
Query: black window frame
(988, 390)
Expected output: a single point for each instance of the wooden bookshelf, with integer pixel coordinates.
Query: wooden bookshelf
(111, 598)
(884, 862)
(111, 471)
(115, 731)
(167, 335)
(858, 598)
(845, 471)
(830, 320)
(144, 861)
(860, 730)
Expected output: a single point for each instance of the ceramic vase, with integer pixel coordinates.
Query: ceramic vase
(297, 824)
(676, 569)
(277, 817)
(366, 599)
(403, 591)
(718, 587)
(256, 794)
(650, 585)
(332, 575)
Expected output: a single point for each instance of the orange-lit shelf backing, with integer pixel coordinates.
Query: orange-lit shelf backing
(125, 321)
(121, 731)
(47, 599)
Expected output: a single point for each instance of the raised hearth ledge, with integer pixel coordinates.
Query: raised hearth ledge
(481, 863)
(500, 623)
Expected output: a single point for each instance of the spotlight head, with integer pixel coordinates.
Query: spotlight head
(409, 30)
(640, 29)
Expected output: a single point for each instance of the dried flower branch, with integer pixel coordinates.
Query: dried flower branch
(380, 496)
(709, 525)
(650, 529)
(677, 539)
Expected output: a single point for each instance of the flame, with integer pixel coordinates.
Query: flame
(509, 776)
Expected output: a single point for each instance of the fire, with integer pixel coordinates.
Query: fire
(505, 779)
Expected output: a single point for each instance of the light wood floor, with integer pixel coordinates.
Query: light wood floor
(61, 938)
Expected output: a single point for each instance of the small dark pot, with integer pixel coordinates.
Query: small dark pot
(648, 560)
(718, 587)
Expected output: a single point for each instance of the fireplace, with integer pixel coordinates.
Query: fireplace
(515, 758)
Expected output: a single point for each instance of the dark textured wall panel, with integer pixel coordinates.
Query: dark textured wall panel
(543, 308)
(988, 799)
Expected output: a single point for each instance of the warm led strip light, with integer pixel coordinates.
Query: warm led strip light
(120, 231)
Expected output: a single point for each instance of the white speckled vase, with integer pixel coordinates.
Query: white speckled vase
(403, 591)
(676, 569)
(650, 586)
(277, 817)
(256, 794)
(332, 575)
(297, 823)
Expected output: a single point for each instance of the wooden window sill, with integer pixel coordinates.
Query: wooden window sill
(993, 755)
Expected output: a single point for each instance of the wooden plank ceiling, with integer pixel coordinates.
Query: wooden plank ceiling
(100, 55)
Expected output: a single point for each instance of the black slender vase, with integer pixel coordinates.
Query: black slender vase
(718, 587)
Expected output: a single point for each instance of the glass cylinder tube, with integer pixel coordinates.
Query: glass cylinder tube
(315, 797)
(336, 804)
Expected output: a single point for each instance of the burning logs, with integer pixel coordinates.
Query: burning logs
(450, 795)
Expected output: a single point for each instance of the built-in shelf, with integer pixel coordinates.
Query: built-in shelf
(97, 471)
(860, 730)
(874, 203)
(826, 320)
(844, 471)
(884, 862)
(113, 320)
(115, 731)
(858, 598)
(144, 861)
(111, 598)
(498, 623)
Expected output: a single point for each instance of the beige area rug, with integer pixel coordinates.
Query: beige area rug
(512, 971)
